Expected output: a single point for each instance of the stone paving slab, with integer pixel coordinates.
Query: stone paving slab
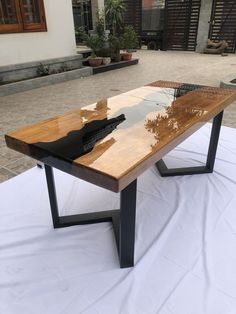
(42, 103)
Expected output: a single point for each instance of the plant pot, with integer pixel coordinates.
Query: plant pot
(115, 55)
(95, 62)
(126, 56)
(106, 60)
(116, 58)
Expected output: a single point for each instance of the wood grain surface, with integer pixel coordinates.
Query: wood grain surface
(157, 117)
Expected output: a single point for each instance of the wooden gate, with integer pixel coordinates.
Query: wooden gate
(223, 22)
(181, 24)
(133, 13)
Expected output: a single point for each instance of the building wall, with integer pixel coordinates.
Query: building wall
(97, 6)
(203, 26)
(58, 41)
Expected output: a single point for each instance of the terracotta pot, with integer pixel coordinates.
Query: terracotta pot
(95, 62)
(126, 56)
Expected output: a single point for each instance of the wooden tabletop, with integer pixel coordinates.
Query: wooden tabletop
(112, 142)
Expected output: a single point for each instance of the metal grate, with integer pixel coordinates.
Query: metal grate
(223, 22)
(181, 24)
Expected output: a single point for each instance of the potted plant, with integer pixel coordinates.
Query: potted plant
(114, 15)
(103, 34)
(115, 44)
(95, 43)
(106, 55)
(79, 34)
(129, 42)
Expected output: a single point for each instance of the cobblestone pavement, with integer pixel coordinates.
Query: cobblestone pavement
(32, 106)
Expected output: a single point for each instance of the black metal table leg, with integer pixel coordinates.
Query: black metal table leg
(127, 225)
(208, 168)
(52, 195)
(123, 220)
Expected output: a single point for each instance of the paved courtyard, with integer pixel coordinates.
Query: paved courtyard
(42, 103)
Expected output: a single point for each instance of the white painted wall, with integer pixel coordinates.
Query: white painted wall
(97, 6)
(58, 41)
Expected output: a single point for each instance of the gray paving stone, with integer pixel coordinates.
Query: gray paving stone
(20, 165)
(5, 174)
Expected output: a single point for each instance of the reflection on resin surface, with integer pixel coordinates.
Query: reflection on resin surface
(100, 109)
(154, 117)
(169, 121)
(186, 88)
(115, 135)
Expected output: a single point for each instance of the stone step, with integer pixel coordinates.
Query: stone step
(18, 72)
(29, 84)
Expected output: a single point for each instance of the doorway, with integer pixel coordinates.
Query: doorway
(223, 22)
(181, 24)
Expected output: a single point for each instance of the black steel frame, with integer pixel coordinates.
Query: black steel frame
(208, 168)
(123, 220)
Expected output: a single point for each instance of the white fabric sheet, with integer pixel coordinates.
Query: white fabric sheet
(185, 249)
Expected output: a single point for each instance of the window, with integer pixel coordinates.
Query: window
(22, 16)
(153, 14)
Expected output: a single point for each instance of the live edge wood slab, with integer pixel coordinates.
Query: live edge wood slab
(112, 142)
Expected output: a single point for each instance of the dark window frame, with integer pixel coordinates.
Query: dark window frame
(23, 26)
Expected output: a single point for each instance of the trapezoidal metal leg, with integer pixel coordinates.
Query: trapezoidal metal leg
(123, 220)
(127, 225)
(208, 168)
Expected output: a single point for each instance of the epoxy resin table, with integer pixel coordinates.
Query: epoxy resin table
(112, 142)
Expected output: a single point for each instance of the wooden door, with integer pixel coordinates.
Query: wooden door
(181, 24)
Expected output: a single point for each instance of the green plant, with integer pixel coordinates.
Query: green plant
(100, 25)
(115, 45)
(79, 33)
(114, 15)
(43, 70)
(129, 38)
(65, 67)
(105, 52)
(115, 42)
(54, 71)
(94, 42)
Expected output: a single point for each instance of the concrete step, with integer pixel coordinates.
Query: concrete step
(23, 71)
(29, 84)
(84, 51)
